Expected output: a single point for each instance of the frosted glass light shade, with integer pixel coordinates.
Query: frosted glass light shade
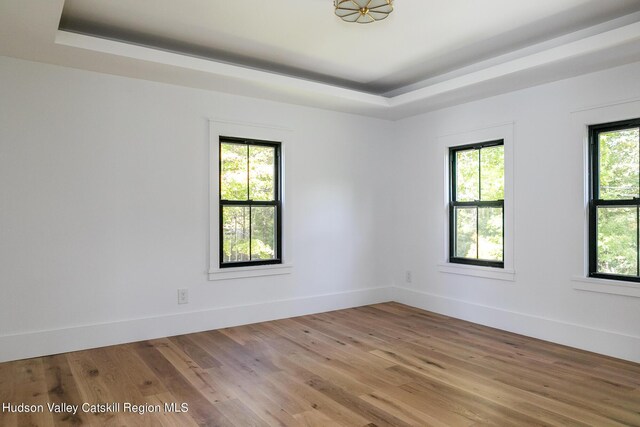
(363, 11)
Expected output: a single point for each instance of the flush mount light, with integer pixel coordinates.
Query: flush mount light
(363, 11)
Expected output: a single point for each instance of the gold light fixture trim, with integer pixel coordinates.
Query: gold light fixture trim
(363, 11)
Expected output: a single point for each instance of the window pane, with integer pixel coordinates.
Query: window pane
(619, 171)
(617, 241)
(263, 228)
(492, 173)
(261, 173)
(490, 234)
(233, 171)
(235, 231)
(466, 235)
(467, 176)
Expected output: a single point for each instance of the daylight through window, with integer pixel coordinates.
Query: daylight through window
(614, 205)
(476, 204)
(250, 205)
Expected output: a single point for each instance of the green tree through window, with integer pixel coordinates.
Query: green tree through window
(476, 206)
(249, 202)
(614, 205)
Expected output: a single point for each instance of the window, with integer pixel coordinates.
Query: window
(614, 200)
(250, 202)
(476, 204)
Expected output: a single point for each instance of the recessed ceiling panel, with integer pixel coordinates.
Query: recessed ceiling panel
(421, 39)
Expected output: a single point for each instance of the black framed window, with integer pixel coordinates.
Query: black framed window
(250, 202)
(476, 204)
(614, 204)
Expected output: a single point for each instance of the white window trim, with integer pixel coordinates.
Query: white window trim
(218, 128)
(606, 286)
(504, 132)
(580, 122)
(477, 271)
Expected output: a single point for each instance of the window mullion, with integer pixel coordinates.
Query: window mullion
(479, 174)
(248, 185)
(503, 251)
(637, 240)
(617, 202)
(452, 198)
(482, 204)
(220, 208)
(249, 199)
(452, 232)
(453, 191)
(594, 194)
(250, 230)
(596, 167)
(477, 232)
(479, 199)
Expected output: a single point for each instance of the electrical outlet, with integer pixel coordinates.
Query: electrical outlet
(407, 277)
(183, 296)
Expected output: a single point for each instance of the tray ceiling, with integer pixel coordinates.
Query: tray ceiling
(428, 54)
(303, 38)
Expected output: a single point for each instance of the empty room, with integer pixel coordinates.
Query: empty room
(319, 213)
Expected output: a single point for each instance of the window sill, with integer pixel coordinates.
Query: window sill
(606, 286)
(477, 271)
(244, 272)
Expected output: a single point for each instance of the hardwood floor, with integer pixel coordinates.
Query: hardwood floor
(380, 365)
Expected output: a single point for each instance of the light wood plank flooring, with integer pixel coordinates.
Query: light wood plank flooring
(380, 365)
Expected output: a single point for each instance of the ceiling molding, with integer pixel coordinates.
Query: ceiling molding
(591, 45)
(213, 67)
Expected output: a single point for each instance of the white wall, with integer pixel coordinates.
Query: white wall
(549, 212)
(104, 211)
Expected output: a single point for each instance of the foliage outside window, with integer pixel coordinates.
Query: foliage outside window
(250, 207)
(476, 204)
(614, 200)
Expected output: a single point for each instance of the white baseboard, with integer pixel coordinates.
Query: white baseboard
(34, 344)
(596, 340)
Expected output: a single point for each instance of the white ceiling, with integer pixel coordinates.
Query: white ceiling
(303, 38)
(428, 54)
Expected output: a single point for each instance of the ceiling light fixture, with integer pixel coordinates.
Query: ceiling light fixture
(363, 11)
